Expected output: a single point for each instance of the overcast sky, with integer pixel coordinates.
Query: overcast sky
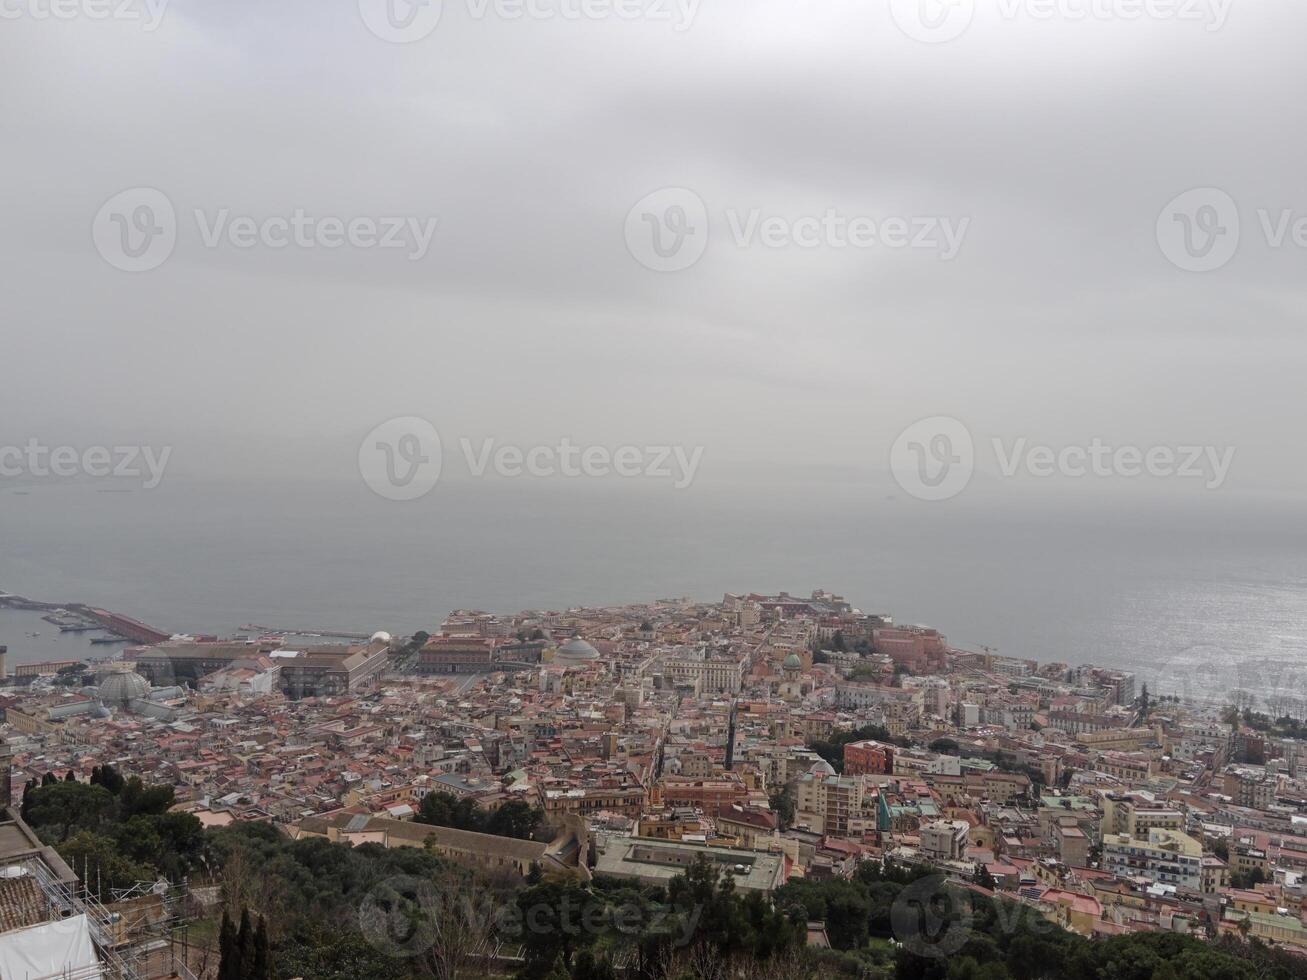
(1052, 145)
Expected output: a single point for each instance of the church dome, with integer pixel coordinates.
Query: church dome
(122, 687)
(822, 768)
(576, 651)
(792, 662)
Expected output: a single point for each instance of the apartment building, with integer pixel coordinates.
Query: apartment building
(1253, 788)
(1134, 814)
(829, 803)
(1166, 857)
(944, 840)
(868, 756)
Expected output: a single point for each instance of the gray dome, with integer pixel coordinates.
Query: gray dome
(122, 687)
(822, 768)
(792, 662)
(576, 651)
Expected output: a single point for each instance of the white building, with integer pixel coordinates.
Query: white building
(1166, 857)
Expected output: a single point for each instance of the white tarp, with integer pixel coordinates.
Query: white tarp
(54, 949)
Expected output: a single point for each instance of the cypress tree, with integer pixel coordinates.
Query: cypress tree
(229, 961)
(262, 958)
(245, 941)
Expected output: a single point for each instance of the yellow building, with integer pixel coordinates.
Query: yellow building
(1071, 910)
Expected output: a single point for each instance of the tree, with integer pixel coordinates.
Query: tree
(783, 803)
(228, 951)
(1248, 879)
(833, 750)
(71, 777)
(262, 954)
(108, 777)
(244, 881)
(335, 954)
(590, 966)
(56, 808)
(514, 819)
(728, 924)
(102, 864)
(837, 642)
(461, 926)
(173, 842)
(841, 904)
(551, 937)
(245, 951)
(447, 810)
(136, 798)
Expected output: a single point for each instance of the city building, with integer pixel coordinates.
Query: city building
(1166, 857)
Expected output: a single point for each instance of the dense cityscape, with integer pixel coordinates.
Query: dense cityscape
(802, 750)
(402, 400)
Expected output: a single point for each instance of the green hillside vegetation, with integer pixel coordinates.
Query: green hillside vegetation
(312, 908)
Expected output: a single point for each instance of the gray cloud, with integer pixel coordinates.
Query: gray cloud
(1060, 319)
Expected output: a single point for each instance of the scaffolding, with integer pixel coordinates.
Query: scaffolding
(136, 940)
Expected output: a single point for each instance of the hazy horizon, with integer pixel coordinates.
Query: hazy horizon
(377, 309)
